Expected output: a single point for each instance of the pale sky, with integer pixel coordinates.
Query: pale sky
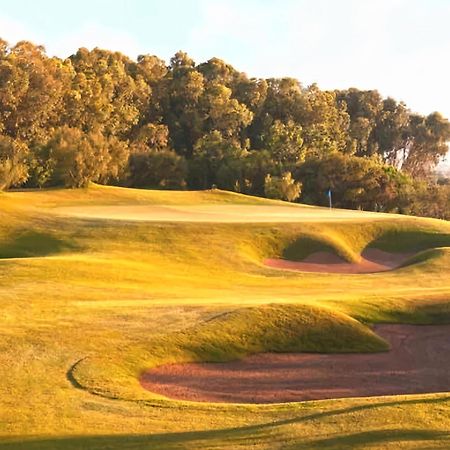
(400, 47)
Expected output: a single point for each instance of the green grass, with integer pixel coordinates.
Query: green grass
(28, 243)
(305, 246)
(87, 305)
(224, 337)
(109, 195)
(404, 240)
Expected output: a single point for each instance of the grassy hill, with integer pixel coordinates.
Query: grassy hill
(89, 299)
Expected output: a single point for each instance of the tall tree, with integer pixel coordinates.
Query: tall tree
(391, 132)
(224, 113)
(211, 153)
(108, 94)
(285, 143)
(180, 96)
(325, 123)
(364, 109)
(32, 87)
(13, 162)
(427, 143)
(76, 158)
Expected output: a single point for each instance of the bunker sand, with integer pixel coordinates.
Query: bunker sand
(418, 362)
(372, 260)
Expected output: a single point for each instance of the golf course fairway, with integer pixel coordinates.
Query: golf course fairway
(101, 286)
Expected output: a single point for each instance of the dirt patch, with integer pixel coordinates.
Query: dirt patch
(372, 260)
(418, 362)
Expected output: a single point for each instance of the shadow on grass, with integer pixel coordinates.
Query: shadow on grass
(31, 244)
(265, 433)
(362, 439)
(71, 377)
(404, 241)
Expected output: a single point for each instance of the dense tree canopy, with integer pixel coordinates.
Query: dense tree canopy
(100, 116)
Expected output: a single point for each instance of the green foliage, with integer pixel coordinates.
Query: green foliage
(285, 143)
(227, 130)
(325, 123)
(78, 158)
(13, 162)
(32, 88)
(431, 199)
(157, 169)
(358, 183)
(429, 138)
(212, 161)
(153, 136)
(282, 188)
(107, 93)
(257, 165)
(223, 112)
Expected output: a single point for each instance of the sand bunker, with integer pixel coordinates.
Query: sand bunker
(418, 362)
(372, 260)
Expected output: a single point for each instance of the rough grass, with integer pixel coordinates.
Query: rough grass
(100, 301)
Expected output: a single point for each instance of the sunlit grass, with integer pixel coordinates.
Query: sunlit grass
(95, 302)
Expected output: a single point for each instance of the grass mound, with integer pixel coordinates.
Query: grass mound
(400, 240)
(277, 328)
(225, 337)
(426, 256)
(304, 246)
(112, 195)
(348, 241)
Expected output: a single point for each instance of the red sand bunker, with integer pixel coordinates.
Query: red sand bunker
(372, 260)
(418, 362)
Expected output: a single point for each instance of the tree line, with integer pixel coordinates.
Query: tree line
(99, 116)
